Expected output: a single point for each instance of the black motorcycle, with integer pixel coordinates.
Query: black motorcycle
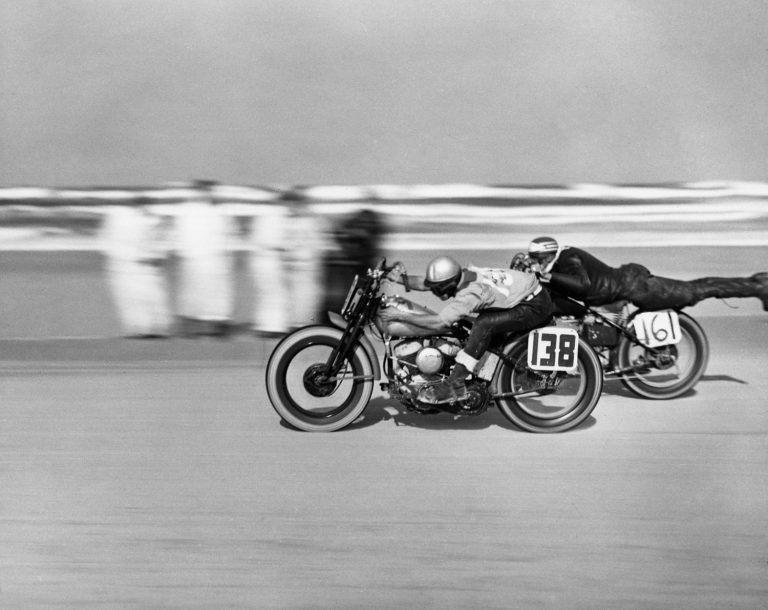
(321, 377)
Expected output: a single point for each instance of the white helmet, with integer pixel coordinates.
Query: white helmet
(443, 275)
(542, 245)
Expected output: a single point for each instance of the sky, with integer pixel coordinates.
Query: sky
(300, 92)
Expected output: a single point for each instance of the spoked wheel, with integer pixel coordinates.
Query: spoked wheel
(549, 402)
(303, 392)
(672, 370)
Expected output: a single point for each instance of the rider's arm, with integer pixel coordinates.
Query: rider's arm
(412, 282)
(464, 303)
(571, 277)
(430, 321)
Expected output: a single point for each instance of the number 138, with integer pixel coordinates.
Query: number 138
(553, 349)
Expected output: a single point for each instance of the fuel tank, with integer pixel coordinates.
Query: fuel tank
(402, 329)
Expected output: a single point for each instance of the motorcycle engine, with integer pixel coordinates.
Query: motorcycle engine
(427, 357)
(600, 335)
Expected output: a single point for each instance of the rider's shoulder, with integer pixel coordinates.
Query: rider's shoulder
(496, 275)
(489, 270)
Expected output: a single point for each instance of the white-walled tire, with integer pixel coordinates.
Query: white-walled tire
(687, 362)
(564, 408)
(301, 395)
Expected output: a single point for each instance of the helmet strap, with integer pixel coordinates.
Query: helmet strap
(551, 263)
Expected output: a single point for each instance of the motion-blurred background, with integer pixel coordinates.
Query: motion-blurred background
(190, 167)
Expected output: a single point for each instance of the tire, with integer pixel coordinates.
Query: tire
(296, 395)
(558, 410)
(690, 358)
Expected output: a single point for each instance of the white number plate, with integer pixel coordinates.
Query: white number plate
(553, 349)
(656, 328)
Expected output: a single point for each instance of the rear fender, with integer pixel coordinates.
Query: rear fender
(341, 323)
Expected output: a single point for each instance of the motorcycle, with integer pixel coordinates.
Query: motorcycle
(321, 377)
(656, 354)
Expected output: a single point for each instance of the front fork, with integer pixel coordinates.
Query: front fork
(344, 350)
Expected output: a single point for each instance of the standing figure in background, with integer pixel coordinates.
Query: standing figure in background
(286, 264)
(205, 291)
(304, 250)
(133, 246)
(270, 297)
(357, 247)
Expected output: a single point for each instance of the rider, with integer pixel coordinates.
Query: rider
(578, 274)
(504, 300)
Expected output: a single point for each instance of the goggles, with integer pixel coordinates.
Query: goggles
(443, 288)
(538, 256)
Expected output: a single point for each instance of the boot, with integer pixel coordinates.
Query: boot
(761, 282)
(733, 287)
(452, 388)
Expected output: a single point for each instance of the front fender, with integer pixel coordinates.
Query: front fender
(340, 322)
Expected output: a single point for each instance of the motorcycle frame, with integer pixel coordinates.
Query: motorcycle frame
(653, 351)
(631, 337)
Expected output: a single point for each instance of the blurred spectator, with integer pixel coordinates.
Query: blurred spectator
(305, 247)
(270, 298)
(286, 264)
(205, 268)
(357, 247)
(133, 247)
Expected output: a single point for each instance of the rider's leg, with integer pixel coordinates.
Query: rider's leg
(663, 293)
(524, 316)
(761, 280)
(733, 287)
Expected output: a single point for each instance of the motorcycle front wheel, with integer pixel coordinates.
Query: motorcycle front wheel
(302, 392)
(673, 370)
(548, 402)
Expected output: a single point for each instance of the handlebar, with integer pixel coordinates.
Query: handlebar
(386, 270)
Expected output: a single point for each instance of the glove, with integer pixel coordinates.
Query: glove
(520, 262)
(398, 274)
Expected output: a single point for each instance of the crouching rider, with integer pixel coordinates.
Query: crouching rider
(499, 301)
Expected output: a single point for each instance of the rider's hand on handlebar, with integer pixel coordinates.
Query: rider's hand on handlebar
(519, 262)
(396, 272)
(536, 269)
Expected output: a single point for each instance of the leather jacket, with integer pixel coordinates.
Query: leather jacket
(580, 275)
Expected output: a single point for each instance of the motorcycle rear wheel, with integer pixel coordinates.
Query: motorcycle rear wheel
(687, 362)
(563, 408)
(301, 393)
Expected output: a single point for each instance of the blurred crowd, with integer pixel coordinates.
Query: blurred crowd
(179, 274)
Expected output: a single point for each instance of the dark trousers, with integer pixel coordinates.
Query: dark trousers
(651, 292)
(524, 316)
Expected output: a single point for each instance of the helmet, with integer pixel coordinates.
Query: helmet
(442, 269)
(443, 274)
(542, 245)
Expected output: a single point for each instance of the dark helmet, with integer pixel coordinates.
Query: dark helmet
(443, 275)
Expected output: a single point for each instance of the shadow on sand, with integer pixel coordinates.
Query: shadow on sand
(614, 387)
(386, 410)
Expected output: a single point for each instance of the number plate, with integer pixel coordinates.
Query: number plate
(656, 328)
(553, 349)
